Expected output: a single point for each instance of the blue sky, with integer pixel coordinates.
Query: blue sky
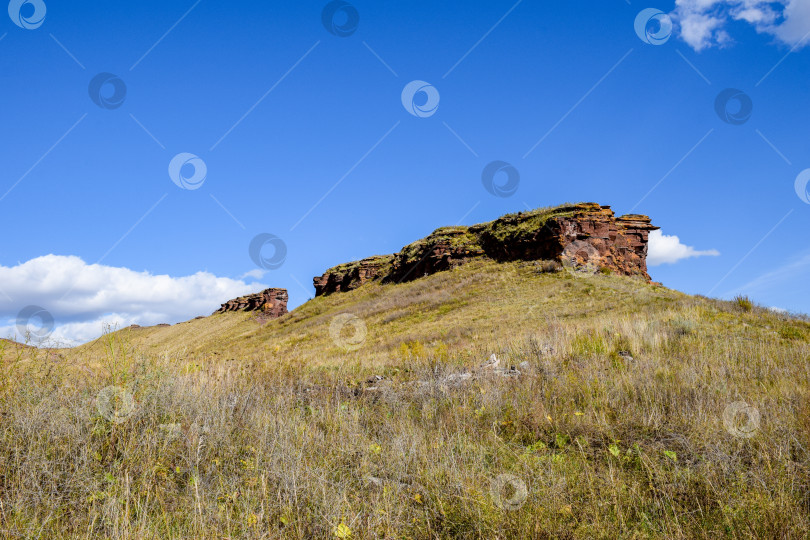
(304, 136)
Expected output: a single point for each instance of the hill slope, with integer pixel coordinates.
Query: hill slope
(633, 411)
(467, 313)
(472, 309)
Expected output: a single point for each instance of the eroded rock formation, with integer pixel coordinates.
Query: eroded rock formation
(585, 233)
(271, 302)
(346, 277)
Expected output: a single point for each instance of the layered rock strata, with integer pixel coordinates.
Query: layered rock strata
(271, 302)
(585, 233)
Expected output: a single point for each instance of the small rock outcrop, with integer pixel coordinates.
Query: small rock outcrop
(352, 275)
(585, 233)
(271, 302)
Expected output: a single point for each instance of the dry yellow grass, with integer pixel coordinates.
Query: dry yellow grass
(639, 412)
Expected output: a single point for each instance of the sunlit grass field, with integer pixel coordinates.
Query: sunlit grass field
(634, 411)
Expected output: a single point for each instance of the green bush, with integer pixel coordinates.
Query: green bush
(744, 303)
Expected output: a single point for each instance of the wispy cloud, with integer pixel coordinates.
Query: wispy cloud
(665, 249)
(256, 273)
(703, 23)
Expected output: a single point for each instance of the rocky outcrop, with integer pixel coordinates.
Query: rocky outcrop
(444, 249)
(351, 275)
(579, 234)
(271, 302)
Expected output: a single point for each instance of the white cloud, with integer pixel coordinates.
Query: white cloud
(664, 249)
(83, 297)
(257, 273)
(702, 22)
(756, 15)
(796, 26)
(698, 30)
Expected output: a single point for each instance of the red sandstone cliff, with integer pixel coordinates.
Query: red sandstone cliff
(586, 233)
(271, 302)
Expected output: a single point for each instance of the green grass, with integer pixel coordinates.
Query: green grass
(627, 420)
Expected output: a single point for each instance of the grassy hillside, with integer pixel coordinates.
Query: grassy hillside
(637, 412)
(478, 309)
